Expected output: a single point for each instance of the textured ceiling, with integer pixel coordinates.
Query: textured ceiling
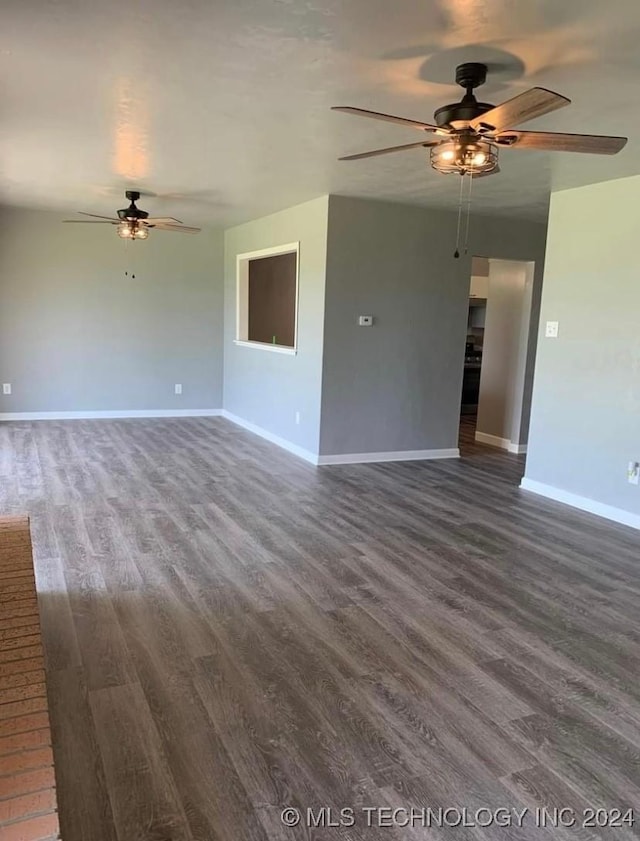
(221, 109)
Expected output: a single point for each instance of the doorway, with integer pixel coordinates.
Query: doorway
(498, 368)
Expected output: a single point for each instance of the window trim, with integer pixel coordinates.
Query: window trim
(291, 351)
(242, 297)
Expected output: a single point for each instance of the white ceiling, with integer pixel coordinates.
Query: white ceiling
(221, 107)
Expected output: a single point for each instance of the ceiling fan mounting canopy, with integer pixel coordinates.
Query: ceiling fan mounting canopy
(471, 75)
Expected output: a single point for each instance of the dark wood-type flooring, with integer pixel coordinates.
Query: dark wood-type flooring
(229, 630)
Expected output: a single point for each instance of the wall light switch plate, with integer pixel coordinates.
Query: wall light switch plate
(178, 388)
(552, 330)
(297, 417)
(365, 320)
(633, 473)
(6, 388)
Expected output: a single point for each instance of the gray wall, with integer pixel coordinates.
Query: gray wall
(263, 387)
(396, 386)
(585, 422)
(77, 335)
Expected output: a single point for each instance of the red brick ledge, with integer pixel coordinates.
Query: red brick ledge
(28, 806)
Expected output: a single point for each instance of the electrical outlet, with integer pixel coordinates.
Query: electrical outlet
(297, 417)
(633, 473)
(6, 388)
(552, 330)
(178, 388)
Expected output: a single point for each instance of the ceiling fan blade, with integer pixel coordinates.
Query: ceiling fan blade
(159, 220)
(375, 115)
(528, 105)
(184, 228)
(386, 151)
(90, 222)
(95, 216)
(556, 142)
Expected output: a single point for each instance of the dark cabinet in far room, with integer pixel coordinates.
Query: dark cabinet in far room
(473, 355)
(471, 388)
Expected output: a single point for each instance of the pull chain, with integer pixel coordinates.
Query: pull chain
(466, 239)
(457, 251)
(129, 259)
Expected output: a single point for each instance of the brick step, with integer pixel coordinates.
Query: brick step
(28, 806)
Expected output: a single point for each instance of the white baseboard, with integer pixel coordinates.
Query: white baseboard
(502, 443)
(346, 458)
(400, 455)
(307, 455)
(609, 512)
(116, 413)
(492, 440)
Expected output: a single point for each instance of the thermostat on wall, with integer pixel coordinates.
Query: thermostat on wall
(365, 320)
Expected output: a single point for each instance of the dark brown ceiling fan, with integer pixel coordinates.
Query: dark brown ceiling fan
(471, 133)
(133, 223)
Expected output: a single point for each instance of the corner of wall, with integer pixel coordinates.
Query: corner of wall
(266, 391)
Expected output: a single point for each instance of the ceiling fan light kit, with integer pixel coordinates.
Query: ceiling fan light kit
(464, 155)
(131, 230)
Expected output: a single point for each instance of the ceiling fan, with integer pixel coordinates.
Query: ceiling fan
(133, 223)
(472, 133)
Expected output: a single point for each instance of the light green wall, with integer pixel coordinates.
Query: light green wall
(266, 388)
(585, 423)
(76, 334)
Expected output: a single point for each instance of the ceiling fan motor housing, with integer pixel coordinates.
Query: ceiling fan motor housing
(464, 111)
(132, 212)
(469, 76)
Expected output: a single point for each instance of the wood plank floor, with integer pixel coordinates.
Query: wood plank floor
(467, 436)
(229, 631)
